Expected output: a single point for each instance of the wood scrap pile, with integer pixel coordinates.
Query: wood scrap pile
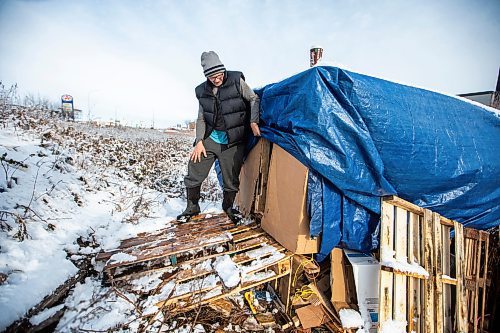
(311, 289)
(205, 265)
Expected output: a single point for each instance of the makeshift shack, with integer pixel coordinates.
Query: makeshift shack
(336, 143)
(378, 177)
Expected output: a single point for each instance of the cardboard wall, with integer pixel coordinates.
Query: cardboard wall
(285, 215)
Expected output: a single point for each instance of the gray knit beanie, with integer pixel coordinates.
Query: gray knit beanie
(211, 63)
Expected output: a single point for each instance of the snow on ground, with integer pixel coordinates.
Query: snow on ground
(228, 271)
(46, 314)
(67, 191)
(92, 307)
(350, 318)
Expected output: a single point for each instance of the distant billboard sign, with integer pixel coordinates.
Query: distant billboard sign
(67, 98)
(67, 103)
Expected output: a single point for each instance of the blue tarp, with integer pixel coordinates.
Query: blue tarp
(363, 138)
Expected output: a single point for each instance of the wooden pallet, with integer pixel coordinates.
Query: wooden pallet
(211, 225)
(476, 268)
(418, 235)
(193, 241)
(277, 269)
(178, 249)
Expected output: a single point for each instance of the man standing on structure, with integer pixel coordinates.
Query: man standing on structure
(228, 107)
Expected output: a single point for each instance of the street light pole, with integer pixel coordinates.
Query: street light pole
(88, 102)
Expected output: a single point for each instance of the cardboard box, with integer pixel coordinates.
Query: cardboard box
(311, 316)
(274, 184)
(285, 214)
(366, 271)
(342, 281)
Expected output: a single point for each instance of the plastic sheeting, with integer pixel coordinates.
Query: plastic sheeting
(363, 138)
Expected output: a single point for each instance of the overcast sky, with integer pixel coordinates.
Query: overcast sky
(141, 59)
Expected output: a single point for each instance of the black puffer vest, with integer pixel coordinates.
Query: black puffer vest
(227, 110)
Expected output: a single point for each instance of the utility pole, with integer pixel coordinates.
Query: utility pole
(88, 103)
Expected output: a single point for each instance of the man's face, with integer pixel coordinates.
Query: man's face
(217, 79)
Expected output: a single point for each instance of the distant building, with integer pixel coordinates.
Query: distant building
(483, 97)
(489, 98)
(75, 114)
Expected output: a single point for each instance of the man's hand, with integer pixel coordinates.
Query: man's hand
(198, 150)
(255, 129)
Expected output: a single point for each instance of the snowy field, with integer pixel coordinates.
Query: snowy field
(68, 191)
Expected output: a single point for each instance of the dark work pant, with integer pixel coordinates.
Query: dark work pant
(230, 160)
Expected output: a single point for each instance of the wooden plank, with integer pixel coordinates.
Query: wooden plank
(260, 198)
(289, 287)
(412, 240)
(438, 272)
(420, 284)
(171, 249)
(476, 284)
(402, 273)
(414, 297)
(248, 235)
(472, 233)
(252, 242)
(429, 313)
(243, 257)
(485, 276)
(398, 202)
(447, 222)
(470, 273)
(447, 282)
(469, 283)
(191, 274)
(287, 256)
(217, 223)
(450, 281)
(461, 306)
(386, 249)
(400, 280)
